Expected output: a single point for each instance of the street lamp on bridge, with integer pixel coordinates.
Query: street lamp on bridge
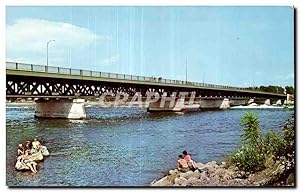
(48, 48)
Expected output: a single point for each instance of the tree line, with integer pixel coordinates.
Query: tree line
(274, 89)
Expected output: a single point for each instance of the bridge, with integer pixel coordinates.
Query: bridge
(59, 92)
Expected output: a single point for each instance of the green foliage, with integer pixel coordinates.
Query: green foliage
(251, 132)
(273, 143)
(274, 89)
(257, 150)
(289, 90)
(249, 156)
(248, 159)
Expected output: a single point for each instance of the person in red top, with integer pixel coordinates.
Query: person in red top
(191, 163)
(182, 164)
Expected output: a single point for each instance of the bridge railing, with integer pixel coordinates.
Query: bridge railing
(80, 72)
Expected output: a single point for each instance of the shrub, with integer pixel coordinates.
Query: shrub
(251, 132)
(258, 151)
(250, 157)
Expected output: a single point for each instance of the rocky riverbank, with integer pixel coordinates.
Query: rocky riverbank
(213, 174)
(280, 172)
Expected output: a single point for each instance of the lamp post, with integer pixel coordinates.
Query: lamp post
(186, 71)
(48, 48)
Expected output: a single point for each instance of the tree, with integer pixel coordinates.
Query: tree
(289, 89)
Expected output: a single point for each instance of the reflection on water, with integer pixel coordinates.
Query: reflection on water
(123, 146)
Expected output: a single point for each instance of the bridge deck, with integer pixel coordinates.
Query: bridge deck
(30, 70)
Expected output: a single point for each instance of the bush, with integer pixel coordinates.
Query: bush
(251, 132)
(256, 150)
(250, 157)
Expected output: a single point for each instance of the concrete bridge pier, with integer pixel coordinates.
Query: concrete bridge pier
(62, 108)
(250, 101)
(267, 102)
(278, 102)
(225, 104)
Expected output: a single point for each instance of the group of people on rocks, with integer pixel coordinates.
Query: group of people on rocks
(29, 154)
(185, 162)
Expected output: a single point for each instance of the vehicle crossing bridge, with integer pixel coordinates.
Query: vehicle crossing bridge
(59, 86)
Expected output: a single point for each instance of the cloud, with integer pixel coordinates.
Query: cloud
(26, 41)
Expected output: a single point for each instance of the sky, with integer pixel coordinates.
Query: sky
(236, 46)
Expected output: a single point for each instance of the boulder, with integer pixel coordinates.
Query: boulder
(215, 180)
(172, 172)
(179, 180)
(220, 173)
(201, 166)
(186, 175)
(204, 177)
(211, 163)
(162, 182)
(196, 174)
(223, 164)
(229, 174)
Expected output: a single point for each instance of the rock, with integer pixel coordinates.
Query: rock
(180, 180)
(163, 182)
(154, 181)
(186, 175)
(196, 174)
(211, 170)
(175, 171)
(237, 182)
(215, 180)
(220, 173)
(229, 174)
(192, 181)
(223, 164)
(204, 176)
(201, 166)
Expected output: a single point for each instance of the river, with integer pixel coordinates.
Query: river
(123, 146)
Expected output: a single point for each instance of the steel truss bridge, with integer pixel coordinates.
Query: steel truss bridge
(39, 81)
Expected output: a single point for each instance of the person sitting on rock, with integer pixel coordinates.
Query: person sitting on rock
(25, 159)
(191, 163)
(20, 150)
(182, 164)
(36, 145)
(29, 149)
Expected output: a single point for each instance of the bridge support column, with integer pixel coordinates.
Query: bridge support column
(250, 101)
(225, 104)
(268, 102)
(278, 102)
(63, 108)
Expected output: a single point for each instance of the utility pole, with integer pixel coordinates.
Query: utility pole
(186, 71)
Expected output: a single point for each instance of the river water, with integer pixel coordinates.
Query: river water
(123, 146)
